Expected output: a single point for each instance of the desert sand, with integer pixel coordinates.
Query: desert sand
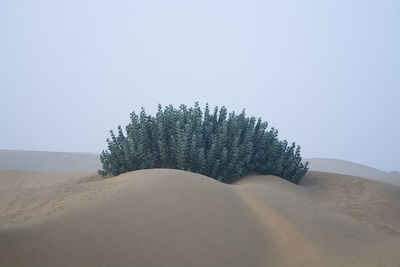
(352, 168)
(56, 162)
(162, 217)
(49, 162)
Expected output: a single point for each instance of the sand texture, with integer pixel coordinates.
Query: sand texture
(164, 217)
(351, 168)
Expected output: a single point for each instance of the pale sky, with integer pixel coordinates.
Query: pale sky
(326, 74)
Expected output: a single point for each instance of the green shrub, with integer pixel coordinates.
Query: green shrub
(217, 144)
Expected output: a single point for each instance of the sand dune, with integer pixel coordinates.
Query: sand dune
(176, 218)
(351, 168)
(50, 162)
(56, 162)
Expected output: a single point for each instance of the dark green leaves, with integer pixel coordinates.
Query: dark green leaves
(220, 145)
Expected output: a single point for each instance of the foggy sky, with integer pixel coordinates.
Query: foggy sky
(326, 74)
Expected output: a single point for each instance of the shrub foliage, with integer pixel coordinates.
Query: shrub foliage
(217, 144)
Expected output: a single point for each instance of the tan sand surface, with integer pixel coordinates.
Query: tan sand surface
(43, 161)
(163, 217)
(351, 168)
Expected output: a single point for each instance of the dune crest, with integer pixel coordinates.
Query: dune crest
(351, 168)
(178, 218)
(49, 162)
(290, 245)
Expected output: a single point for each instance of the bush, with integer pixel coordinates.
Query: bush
(220, 145)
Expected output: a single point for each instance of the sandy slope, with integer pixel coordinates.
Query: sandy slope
(43, 161)
(175, 218)
(351, 168)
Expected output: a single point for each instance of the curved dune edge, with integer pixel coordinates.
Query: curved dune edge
(49, 162)
(351, 168)
(177, 218)
(290, 244)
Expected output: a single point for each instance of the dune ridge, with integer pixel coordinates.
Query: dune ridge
(57, 162)
(176, 218)
(49, 162)
(351, 168)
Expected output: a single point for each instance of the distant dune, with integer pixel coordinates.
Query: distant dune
(162, 217)
(351, 168)
(57, 162)
(48, 162)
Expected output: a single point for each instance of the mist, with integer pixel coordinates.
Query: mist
(325, 74)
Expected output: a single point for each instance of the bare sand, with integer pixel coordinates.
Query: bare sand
(163, 217)
(352, 168)
(49, 162)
